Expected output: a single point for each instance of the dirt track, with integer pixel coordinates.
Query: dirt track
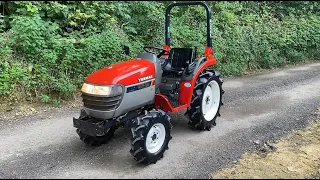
(296, 156)
(260, 108)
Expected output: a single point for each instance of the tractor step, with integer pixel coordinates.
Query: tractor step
(174, 103)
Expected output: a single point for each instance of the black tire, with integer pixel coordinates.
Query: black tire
(96, 140)
(194, 111)
(139, 136)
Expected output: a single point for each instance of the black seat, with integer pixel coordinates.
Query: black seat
(179, 59)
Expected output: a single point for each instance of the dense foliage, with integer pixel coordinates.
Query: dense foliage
(49, 47)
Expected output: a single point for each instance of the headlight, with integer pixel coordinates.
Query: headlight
(104, 90)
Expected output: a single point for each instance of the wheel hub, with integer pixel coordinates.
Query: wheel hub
(155, 138)
(207, 100)
(211, 99)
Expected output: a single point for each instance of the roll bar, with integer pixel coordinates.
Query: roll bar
(167, 20)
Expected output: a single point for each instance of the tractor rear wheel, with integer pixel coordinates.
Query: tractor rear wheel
(97, 140)
(150, 137)
(206, 101)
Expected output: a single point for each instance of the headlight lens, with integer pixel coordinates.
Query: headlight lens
(107, 90)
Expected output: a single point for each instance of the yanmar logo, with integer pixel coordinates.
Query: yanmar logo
(145, 78)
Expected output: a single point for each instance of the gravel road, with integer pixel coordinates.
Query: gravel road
(260, 107)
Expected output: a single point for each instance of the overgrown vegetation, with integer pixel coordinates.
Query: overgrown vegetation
(48, 47)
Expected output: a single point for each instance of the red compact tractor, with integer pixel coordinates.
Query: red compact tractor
(136, 94)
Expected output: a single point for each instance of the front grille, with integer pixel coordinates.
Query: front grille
(101, 103)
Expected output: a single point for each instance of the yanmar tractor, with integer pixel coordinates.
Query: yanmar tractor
(136, 94)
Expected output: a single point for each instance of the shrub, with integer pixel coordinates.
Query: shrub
(49, 48)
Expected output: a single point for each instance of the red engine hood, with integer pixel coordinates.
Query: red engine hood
(125, 73)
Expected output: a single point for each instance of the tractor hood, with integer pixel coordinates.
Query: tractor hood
(126, 73)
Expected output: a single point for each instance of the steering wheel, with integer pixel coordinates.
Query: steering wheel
(147, 49)
(164, 61)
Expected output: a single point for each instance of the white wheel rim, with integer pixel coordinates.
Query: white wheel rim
(155, 138)
(211, 100)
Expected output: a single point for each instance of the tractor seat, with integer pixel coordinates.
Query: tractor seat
(179, 59)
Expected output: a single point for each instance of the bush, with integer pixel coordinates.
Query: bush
(51, 47)
(59, 64)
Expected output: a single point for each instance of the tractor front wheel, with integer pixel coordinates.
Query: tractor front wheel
(206, 101)
(150, 137)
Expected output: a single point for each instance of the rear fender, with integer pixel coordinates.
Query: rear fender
(187, 86)
(198, 62)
